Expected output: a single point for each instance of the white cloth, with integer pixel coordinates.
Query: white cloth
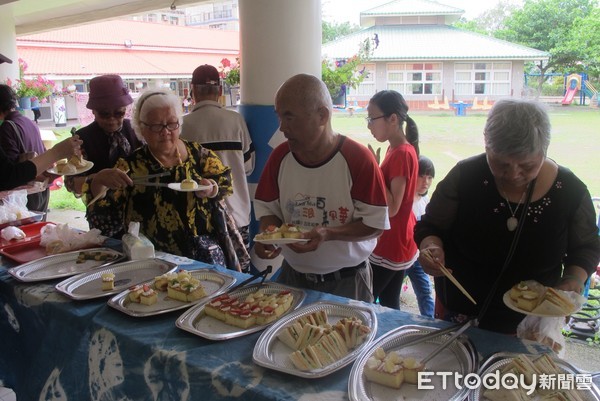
(225, 132)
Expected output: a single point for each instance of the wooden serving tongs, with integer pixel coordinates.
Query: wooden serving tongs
(427, 254)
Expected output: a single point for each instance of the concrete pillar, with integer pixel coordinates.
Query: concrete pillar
(8, 44)
(278, 39)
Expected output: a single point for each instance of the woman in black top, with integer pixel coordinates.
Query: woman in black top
(474, 213)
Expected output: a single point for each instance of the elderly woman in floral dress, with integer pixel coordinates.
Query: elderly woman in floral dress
(177, 222)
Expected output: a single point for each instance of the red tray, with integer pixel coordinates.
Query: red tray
(23, 252)
(31, 231)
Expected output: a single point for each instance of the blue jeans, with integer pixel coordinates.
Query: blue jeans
(422, 287)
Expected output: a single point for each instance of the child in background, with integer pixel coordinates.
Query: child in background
(420, 280)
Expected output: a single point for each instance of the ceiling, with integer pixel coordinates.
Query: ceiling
(33, 16)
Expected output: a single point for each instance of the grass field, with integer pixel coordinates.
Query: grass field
(446, 139)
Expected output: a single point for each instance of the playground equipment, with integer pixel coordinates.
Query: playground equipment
(580, 82)
(436, 105)
(573, 83)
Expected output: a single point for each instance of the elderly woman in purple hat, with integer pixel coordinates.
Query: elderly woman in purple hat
(107, 139)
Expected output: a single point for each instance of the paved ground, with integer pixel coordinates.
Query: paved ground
(577, 352)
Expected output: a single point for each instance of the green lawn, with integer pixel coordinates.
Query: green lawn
(447, 139)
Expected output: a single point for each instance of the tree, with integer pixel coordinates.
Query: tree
(332, 30)
(545, 25)
(585, 38)
(341, 74)
(490, 21)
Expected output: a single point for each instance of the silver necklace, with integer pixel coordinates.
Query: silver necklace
(512, 222)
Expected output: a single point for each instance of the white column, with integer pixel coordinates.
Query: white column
(278, 39)
(8, 44)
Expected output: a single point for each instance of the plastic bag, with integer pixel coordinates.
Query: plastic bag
(14, 207)
(12, 232)
(61, 238)
(544, 330)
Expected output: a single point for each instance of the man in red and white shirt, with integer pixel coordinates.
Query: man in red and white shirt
(328, 185)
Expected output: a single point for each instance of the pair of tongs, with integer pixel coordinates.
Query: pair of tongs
(144, 180)
(262, 274)
(461, 328)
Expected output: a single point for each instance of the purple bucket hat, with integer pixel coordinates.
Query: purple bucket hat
(108, 92)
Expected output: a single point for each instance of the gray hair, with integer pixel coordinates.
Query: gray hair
(309, 90)
(517, 127)
(151, 100)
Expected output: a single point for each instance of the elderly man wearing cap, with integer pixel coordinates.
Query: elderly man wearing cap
(106, 139)
(224, 132)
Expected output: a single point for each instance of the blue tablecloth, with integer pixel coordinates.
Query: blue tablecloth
(54, 348)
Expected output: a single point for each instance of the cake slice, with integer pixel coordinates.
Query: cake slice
(271, 232)
(213, 308)
(290, 230)
(108, 281)
(135, 292)
(527, 295)
(148, 296)
(384, 369)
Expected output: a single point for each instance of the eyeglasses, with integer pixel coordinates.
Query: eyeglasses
(108, 114)
(160, 127)
(371, 119)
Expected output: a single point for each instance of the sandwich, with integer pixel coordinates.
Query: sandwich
(555, 303)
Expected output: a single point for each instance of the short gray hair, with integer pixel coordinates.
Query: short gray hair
(517, 127)
(151, 100)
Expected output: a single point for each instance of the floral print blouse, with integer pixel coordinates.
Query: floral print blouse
(172, 220)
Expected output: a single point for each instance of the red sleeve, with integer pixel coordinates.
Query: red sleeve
(368, 185)
(267, 189)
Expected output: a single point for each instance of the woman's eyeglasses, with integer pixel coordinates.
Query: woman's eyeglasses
(160, 127)
(108, 114)
(371, 119)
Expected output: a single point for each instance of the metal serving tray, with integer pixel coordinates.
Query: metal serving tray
(89, 285)
(459, 357)
(213, 282)
(34, 218)
(195, 320)
(501, 359)
(62, 265)
(271, 353)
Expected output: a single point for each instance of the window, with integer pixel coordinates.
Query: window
(415, 78)
(482, 78)
(367, 86)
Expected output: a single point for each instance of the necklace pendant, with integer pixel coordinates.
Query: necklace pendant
(512, 223)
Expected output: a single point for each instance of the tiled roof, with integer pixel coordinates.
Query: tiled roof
(157, 50)
(429, 42)
(80, 63)
(141, 34)
(412, 7)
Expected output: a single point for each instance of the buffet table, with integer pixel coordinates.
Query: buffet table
(55, 348)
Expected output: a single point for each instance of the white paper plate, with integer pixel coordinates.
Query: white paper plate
(176, 186)
(281, 241)
(88, 165)
(213, 282)
(89, 285)
(271, 353)
(512, 305)
(460, 356)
